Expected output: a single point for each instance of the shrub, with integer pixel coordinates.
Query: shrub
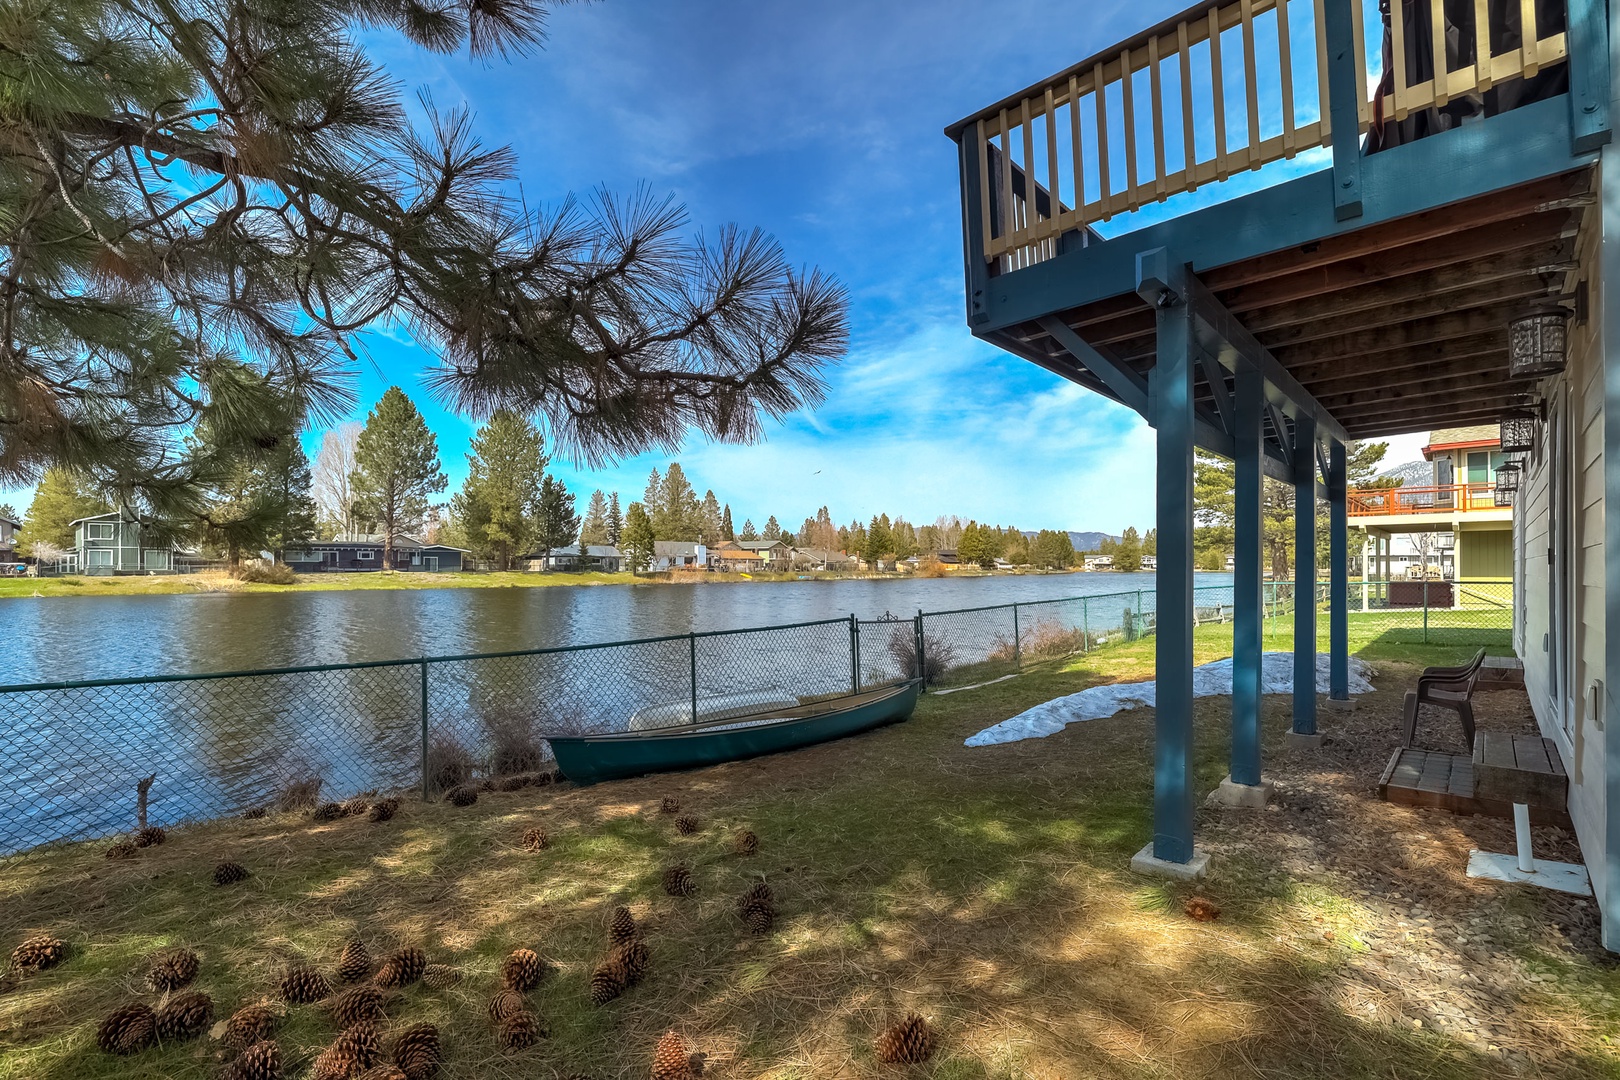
(931, 567)
(1048, 637)
(262, 574)
(938, 655)
(448, 765)
(302, 792)
(514, 747)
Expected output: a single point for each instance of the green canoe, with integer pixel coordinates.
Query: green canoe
(586, 759)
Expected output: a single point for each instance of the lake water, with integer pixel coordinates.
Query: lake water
(72, 638)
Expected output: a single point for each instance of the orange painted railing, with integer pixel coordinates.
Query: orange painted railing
(1442, 499)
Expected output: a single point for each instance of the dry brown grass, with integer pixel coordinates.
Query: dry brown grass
(985, 889)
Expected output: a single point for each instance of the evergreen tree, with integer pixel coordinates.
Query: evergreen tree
(60, 499)
(9, 512)
(653, 496)
(726, 531)
(396, 468)
(1128, 556)
(904, 535)
(498, 502)
(748, 532)
(807, 533)
(773, 529)
(615, 520)
(677, 516)
(977, 545)
(636, 542)
(1150, 543)
(207, 202)
(594, 529)
(1052, 550)
(555, 523)
(711, 524)
(255, 501)
(877, 541)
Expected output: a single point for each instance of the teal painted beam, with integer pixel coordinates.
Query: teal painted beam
(1248, 611)
(1129, 387)
(1344, 106)
(976, 270)
(1527, 144)
(1173, 637)
(1304, 577)
(1338, 574)
(1587, 40)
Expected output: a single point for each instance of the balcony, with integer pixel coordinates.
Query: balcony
(1444, 499)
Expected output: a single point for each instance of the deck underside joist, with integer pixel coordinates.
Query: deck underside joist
(1395, 328)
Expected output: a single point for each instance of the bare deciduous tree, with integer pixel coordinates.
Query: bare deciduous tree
(332, 488)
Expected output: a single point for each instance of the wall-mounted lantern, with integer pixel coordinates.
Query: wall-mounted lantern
(1507, 482)
(1518, 432)
(1538, 343)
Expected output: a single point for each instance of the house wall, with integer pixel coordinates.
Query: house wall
(1484, 553)
(1560, 626)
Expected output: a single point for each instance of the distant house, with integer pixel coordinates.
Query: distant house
(679, 555)
(8, 539)
(602, 557)
(362, 553)
(111, 543)
(769, 551)
(1150, 562)
(733, 555)
(949, 557)
(1099, 562)
(821, 559)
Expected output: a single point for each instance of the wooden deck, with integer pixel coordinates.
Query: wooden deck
(1448, 782)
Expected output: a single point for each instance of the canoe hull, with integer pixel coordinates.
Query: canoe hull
(589, 759)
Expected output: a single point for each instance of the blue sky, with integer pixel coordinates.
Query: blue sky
(822, 125)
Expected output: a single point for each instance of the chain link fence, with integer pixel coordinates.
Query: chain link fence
(227, 743)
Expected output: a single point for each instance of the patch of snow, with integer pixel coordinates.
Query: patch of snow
(1209, 680)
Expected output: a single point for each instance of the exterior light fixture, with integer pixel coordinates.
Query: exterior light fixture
(1538, 343)
(1518, 432)
(1507, 482)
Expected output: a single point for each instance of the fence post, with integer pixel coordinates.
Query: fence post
(424, 732)
(1425, 611)
(691, 640)
(1018, 657)
(920, 651)
(1085, 625)
(854, 655)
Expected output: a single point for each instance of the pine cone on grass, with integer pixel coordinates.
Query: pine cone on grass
(229, 873)
(251, 1024)
(626, 965)
(746, 843)
(687, 825)
(465, 795)
(353, 1052)
(38, 953)
(515, 782)
(622, 926)
(356, 806)
(172, 970)
(356, 1005)
(129, 1029)
(261, 1061)
(758, 909)
(123, 849)
(1201, 908)
(506, 1003)
(907, 1043)
(535, 839)
(674, 1059)
(151, 836)
(402, 968)
(520, 1030)
(254, 813)
(185, 1017)
(303, 984)
(354, 963)
(607, 983)
(440, 976)
(416, 1051)
(384, 809)
(326, 812)
(522, 970)
(678, 881)
(670, 805)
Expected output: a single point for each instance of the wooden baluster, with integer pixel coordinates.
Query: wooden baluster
(1363, 103)
(1482, 46)
(1529, 35)
(1154, 83)
(1056, 204)
(1009, 215)
(1098, 91)
(1397, 24)
(1079, 156)
(1286, 62)
(984, 187)
(1325, 110)
(1190, 152)
(1032, 214)
(1219, 88)
(1437, 39)
(1251, 81)
(1132, 196)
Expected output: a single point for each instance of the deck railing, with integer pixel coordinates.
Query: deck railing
(1220, 90)
(1439, 499)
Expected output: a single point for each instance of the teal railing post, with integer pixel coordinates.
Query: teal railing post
(854, 655)
(1085, 625)
(691, 641)
(1018, 657)
(424, 732)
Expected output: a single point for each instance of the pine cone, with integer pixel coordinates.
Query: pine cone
(535, 839)
(440, 976)
(622, 926)
(402, 968)
(254, 813)
(128, 1030)
(357, 1004)
(383, 1072)
(251, 1024)
(633, 958)
(185, 1017)
(520, 1030)
(670, 805)
(383, 809)
(746, 843)
(123, 849)
(506, 1003)
(417, 1051)
(351, 1053)
(686, 825)
(38, 953)
(522, 971)
(1201, 908)
(516, 782)
(261, 1061)
(678, 881)
(907, 1043)
(356, 806)
(326, 812)
(674, 1059)
(758, 909)
(229, 873)
(354, 963)
(607, 983)
(465, 795)
(303, 984)
(172, 970)
(151, 836)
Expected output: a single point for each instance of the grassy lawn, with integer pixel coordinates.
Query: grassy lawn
(987, 889)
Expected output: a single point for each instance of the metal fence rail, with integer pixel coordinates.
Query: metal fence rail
(228, 742)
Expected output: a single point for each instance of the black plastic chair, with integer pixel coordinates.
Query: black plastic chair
(1446, 688)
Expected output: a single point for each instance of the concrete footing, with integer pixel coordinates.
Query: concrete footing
(1240, 796)
(1191, 870)
(1337, 705)
(1293, 740)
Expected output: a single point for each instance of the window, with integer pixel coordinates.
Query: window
(98, 557)
(365, 555)
(98, 530)
(1482, 465)
(157, 560)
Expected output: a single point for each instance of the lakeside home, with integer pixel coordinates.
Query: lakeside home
(366, 553)
(602, 557)
(8, 538)
(679, 555)
(112, 543)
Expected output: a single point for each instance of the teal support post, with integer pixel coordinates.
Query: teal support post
(1344, 108)
(1248, 600)
(1304, 575)
(1338, 574)
(1173, 640)
(975, 270)
(1587, 41)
